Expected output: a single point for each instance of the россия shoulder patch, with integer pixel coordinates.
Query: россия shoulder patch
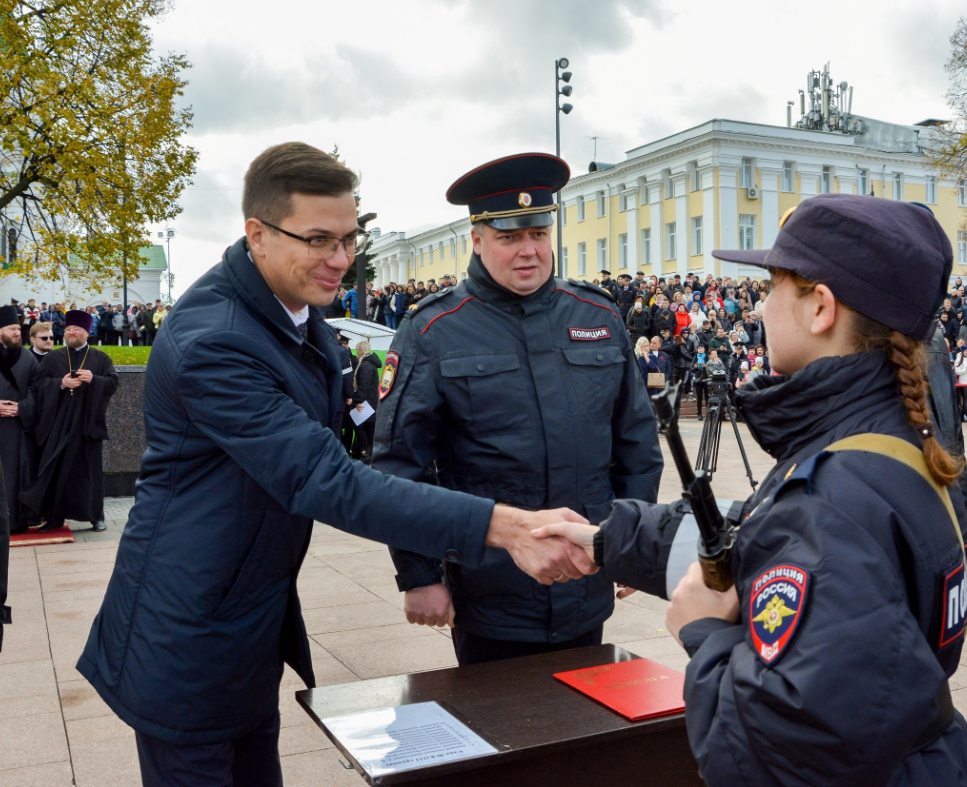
(776, 606)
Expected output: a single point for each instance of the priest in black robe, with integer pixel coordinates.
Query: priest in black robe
(72, 388)
(18, 454)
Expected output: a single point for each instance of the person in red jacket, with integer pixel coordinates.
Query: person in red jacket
(682, 319)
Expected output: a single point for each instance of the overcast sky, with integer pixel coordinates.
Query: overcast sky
(416, 92)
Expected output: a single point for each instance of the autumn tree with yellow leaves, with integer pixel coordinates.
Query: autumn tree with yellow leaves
(90, 136)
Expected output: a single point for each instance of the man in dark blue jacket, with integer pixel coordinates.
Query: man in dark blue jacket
(523, 388)
(242, 404)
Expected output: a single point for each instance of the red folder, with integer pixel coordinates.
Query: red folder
(637, 689)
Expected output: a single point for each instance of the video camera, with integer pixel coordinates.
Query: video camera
(718, 383)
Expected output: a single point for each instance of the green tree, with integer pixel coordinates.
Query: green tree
(90, 149)
(349, 280)
(951, 156)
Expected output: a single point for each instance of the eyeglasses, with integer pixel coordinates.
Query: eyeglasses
(322, 247)
(45, 338)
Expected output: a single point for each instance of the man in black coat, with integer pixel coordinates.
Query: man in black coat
(17, 365)
(243, 400)
(72, 387)
(522, 387)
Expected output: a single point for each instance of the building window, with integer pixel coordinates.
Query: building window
(463, 246)
(671, 251)
(788, 178)
(563, 212)
(697, 235)
(431, 255)
(421, 258)
(745, 174)
(962, 248)
(646, 247)
(622, 202)
(696, 180)
(453, 248)
(582, 259)
(581, 209)
(441, 251)
(564, 263)
(623, 250)
(962, 194)
(746, 232)
(862, 182)
(602, 254)
(931, 189)
(601, 204)
(826, 181)
(897, 185)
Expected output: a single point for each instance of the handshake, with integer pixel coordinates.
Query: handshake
(551, 546)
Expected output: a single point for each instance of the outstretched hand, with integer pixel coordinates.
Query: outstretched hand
(579, 533)
(547, 559)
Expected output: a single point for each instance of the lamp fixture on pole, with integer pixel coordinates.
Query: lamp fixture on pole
(559, 77)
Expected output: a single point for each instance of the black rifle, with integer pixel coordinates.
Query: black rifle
(717, 537)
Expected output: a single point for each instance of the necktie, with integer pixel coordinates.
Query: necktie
(303, 330)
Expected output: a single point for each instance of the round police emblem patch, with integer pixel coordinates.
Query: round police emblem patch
(525, 199)
(775, 608)
(390, 368)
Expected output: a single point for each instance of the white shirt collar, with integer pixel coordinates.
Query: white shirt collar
(299, 317)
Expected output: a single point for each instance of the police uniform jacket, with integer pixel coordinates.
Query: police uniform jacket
(536, 402)
(851, 593)
(240, 414)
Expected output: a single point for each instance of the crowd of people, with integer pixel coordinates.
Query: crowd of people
(690, 330)
(387, 306)
(110, 324)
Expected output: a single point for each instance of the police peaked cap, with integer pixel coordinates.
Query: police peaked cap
(512, 192)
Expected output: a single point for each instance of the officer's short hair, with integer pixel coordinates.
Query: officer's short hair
(292, 168)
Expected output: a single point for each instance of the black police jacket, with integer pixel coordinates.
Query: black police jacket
(536, 402)
(851, 594)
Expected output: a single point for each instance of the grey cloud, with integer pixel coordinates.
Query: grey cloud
(742, 102)
(230, 89)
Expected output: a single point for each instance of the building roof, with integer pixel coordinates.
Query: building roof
(153, 257)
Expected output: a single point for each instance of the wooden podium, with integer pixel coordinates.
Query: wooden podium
(546, 733)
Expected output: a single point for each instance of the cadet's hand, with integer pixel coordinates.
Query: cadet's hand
(581, 534)
(548, 560)
(85, 375)
(624, 591)
(70, 382)
(692, 601)
(429, 606)
(9, 409)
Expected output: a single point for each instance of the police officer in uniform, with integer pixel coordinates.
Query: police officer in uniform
(523, 387)
(828, 661)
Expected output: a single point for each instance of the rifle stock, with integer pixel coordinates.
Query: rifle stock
(717, 538)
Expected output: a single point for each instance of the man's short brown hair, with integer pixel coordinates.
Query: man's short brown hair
(39, 327)
(287, 169)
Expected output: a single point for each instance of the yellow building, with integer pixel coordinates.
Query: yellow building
(723, 184)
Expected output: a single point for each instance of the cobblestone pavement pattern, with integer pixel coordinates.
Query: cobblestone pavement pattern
(55, 731)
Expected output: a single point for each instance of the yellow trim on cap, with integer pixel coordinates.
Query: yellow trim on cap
(506, 214)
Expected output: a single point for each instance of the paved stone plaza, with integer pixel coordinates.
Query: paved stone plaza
(55, 731)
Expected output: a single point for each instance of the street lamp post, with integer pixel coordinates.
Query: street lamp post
(168, 234)
(565, 91)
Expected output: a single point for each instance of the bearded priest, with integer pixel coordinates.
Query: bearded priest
(72, 388)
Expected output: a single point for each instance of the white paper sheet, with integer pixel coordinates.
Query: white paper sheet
(389, 740)
(359, 416)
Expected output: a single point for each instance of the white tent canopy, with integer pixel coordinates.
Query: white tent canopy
(379, 336)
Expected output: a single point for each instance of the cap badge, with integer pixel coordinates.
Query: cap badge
(525, 199)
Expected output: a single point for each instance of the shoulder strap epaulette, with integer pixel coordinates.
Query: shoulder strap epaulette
(586, 285)
(426, 300)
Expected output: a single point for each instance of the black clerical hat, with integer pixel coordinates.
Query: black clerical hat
(512, 192)
(8, 316)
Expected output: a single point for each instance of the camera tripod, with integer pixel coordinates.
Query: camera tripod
(719, 408)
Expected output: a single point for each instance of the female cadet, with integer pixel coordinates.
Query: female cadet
(827, 662)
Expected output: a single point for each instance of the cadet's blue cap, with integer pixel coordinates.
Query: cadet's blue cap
(512, 192)
(858, 246)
